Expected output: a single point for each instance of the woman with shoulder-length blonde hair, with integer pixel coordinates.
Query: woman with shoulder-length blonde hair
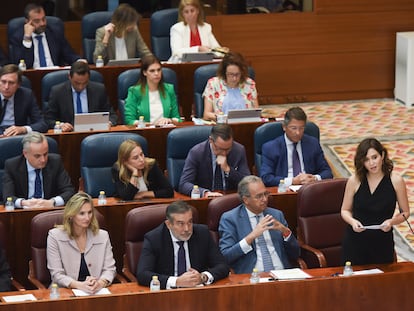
(79, 254)
(136, 176)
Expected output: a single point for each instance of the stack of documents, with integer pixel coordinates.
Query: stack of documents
(289, 274)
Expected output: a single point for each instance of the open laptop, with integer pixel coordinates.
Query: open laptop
(197, 57)
(94, 121)
(244, 115)
(124, 62)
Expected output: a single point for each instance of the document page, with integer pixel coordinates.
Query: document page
(289, 274)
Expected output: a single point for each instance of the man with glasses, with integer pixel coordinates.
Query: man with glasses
(19, 112)
(253, 235)
(215, 165)
(180, 253)
(295, 157)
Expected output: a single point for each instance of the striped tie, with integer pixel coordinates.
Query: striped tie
(267, 259)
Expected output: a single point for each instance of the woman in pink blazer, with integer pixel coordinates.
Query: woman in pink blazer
(79, 254)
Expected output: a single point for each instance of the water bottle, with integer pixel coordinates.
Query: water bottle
(282, 186)
(9, 206)
(195, 193)
(348, 269)
(22, 65)
(58, 128)
(99, 61)
(101, 198)
(255, 276)
(141, 122)
(155, 284)
(54, 291)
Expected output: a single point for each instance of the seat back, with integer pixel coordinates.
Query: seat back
(96, 170)
(201, 75)
(91, 22)
(320, 224)
(39, 229)
(179, 143)
(12, 147)
(161, 22)
(269, 131)
(16, 25)
(26, 82)
(216, 208)
(53, 78)
(130, 77)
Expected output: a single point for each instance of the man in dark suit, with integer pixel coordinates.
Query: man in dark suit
(278, 154)
(36, 178)
(217, 164)
(39, 44)
(19, 112)
(180, 253)
(63, 99)
(255, 235)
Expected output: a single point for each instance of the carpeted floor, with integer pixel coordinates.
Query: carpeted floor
(344, 124)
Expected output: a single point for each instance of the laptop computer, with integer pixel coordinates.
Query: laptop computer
(124, 62)
(94, 121)
(244, 115)
(197, 57)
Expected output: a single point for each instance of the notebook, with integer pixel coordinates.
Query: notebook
(123, 62)
(94, 121)
(244, 115)
(197, 57)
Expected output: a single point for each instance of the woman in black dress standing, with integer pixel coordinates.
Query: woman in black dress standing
(370, 199)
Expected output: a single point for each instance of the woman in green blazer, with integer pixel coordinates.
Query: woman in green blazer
(151, 97)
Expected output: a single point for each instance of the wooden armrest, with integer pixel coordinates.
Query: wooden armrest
(32, 278)
(120, 278)
(16, 285)
(128, 274)
(319, 255)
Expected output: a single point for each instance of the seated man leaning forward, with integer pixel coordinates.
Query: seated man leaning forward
(180, 253)
(217, 164)
(255, 235)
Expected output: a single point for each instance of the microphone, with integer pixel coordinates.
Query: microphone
(408, 223)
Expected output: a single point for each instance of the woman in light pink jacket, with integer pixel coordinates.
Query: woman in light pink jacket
(79, 254)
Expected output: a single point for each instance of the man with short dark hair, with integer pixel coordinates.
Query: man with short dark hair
(77, 95)
(215, 165)
(36, 178)
(180, 253)
(19, 112)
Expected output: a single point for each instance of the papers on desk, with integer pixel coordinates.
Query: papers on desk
(289, 274)
(373, 227)
(80, 293)
(19, 298)
(199, 121)
(368, 271)
(295, 188)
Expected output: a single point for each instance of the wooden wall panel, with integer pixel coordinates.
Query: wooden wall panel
(354, 6)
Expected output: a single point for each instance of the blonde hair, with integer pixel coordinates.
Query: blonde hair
(72, 208)
(195, 3)
(124, 152)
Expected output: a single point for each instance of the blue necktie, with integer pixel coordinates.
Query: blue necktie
(182, 266)
(267, 259)
(78, 103)
(42, 57)
(218, 178)
(3, 110)
(295, 161)
(38, 185)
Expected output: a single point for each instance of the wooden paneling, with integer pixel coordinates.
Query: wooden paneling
(354, 6)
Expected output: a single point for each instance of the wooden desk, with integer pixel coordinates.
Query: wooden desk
(69, 144)
(386, 291)
(184, 71)
(17, 225)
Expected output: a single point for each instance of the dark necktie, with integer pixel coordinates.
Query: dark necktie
(267, 259)
(78, 103)
(295, 161)
(218, 178)
(41, 50)
(38, 185)
(182, 266)
(3, 110)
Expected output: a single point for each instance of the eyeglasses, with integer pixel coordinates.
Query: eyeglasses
(261, 196)
(218, 149)
(233, 75)
(296, 128)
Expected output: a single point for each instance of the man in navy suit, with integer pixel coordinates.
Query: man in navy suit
(180, 253)
(63, 98)
(19, 112)
(254, 235)
(217, 159)
(27, 44)
(277, 154)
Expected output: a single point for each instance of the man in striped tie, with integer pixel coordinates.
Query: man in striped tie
(254, 235)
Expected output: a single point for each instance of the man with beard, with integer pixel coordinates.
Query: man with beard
(39, 44)
(180, 253)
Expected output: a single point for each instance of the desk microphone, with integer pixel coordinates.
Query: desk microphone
(408, 223)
